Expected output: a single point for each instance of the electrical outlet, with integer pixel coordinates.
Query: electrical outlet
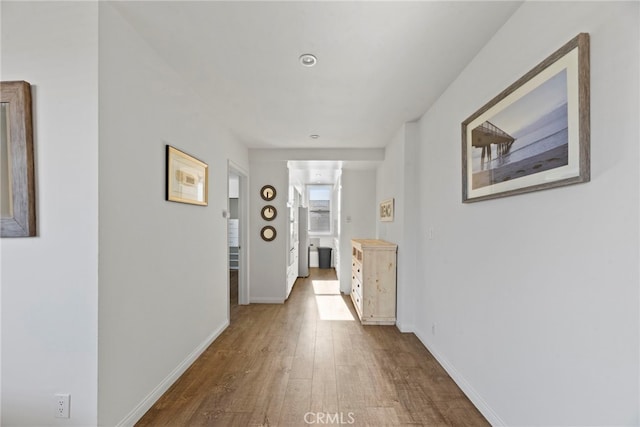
(62, 405)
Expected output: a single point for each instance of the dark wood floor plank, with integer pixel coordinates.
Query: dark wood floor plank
(298, 402)
(350, 394)
(271, 392)
(305, 352)
(324, 392)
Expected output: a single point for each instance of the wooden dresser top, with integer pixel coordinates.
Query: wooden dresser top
(374, 243)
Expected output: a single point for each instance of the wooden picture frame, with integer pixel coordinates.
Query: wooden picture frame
(538, 129)
(17, 171)
(187, 178)
(386, 210)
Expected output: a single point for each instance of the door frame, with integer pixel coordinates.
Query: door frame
(243, 233)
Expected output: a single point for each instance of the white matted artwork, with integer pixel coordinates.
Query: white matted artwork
(386, 210)
(535, 134)
(187, 178)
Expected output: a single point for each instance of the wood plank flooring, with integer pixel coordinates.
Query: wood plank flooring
(309, 362)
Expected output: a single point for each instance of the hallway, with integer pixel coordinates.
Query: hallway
(286, 364)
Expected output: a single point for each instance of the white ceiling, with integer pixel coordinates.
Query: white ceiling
(380, 64)
(314, 172)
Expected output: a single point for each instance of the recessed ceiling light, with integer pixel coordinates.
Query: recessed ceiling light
(308, 60)
(314, 136)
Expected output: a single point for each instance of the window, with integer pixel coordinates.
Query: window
(319, 208)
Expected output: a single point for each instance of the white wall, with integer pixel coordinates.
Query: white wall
(50, 282)
(163, 265)
(358, 202)
(268, 260)
(397, 178)
(234, 186)
(534, 298)
(390, 181)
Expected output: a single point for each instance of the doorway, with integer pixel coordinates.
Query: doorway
(319, 183)
(237, 226)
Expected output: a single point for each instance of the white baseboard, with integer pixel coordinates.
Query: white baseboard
(266, 300)
(405, 328)
(146, 403)
(466, 388)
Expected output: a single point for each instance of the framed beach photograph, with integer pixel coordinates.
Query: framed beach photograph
(535, 134)
(386, 210)
(187, 178)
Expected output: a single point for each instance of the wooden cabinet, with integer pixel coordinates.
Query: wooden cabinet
(373, 281)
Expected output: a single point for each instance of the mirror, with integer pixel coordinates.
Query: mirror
(17, 181)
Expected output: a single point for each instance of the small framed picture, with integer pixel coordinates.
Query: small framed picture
(187, 178)
(386, 210)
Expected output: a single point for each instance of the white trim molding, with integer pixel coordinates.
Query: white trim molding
(136, 414)
(464, 385)
(266, 300)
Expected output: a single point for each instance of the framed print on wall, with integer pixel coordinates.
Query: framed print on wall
(535, 134)
(17, 168)
(187, 178)
(386, 210)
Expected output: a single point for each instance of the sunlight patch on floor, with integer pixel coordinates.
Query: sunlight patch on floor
(326, 287)
(333, 307)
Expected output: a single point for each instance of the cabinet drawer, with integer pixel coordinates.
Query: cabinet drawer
(356, 254)
(356, 269)
(356, 285)
(357, 301)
